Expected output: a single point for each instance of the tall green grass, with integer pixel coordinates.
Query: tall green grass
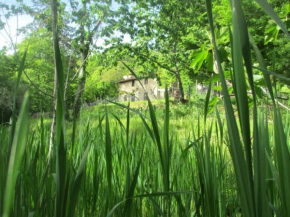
(250, 176)
(127, 162)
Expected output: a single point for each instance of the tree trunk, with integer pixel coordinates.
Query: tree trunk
(81, 86)
(177, 74)
(181, 90)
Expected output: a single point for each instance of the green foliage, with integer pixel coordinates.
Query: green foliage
(102, 82)
(39, 68)
(159, 36)
(8, 72)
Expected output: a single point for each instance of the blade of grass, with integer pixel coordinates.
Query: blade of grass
(158, 143)
(207, 102)
(13, 118)
(77, 184)
(261, 200)
(270, 11)
(239, 34)
(109, 157)
(157, 194)
(16, 155)
(130, 194)
(283, 161)
(262, 65)
(272, 73)
(261, 203)
(60, 128)
(236, 150)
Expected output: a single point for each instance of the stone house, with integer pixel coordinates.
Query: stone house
(131, 90)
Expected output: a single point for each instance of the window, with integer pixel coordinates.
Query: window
(146, 81)
(133, 83)
(145, 96)
(133, 98)
(125, 98)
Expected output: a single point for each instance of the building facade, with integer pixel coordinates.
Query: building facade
(130, 89)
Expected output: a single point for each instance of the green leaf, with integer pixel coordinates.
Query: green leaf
(16, 155)
(198, 59)
(271, 34)
(13, 118)
(270, 11)
(284, 89)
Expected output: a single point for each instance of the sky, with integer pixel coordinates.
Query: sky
(12, 24)
(11, 33)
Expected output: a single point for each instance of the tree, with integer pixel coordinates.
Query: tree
(157, 29)
(8, 69)
(88, 17)
(103, 79)
(39, 68)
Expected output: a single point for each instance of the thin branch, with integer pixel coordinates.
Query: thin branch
(94, 30)
(9, 34)
(16, 29)
(282, 105)
(282, 98)
(155, 61)
(36, 86)
(5, 38)
(75, 75)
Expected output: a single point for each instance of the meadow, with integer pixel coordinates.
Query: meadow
(161, 159)
(136, 160)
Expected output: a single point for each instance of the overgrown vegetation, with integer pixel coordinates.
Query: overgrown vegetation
(227, 160)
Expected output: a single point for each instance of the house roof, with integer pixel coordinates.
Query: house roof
(128, 78)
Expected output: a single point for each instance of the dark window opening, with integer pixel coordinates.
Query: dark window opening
(133, 83)
(145, 96)
(146, 81)
(132, 97)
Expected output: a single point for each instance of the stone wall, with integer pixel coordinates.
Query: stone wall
(131, 90)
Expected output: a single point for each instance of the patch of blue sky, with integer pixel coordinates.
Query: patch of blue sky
(10, 34)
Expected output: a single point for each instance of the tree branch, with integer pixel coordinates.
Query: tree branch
(155, 61)
(75, 75)
(33, 84)
(284, 106)
(99, 22)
